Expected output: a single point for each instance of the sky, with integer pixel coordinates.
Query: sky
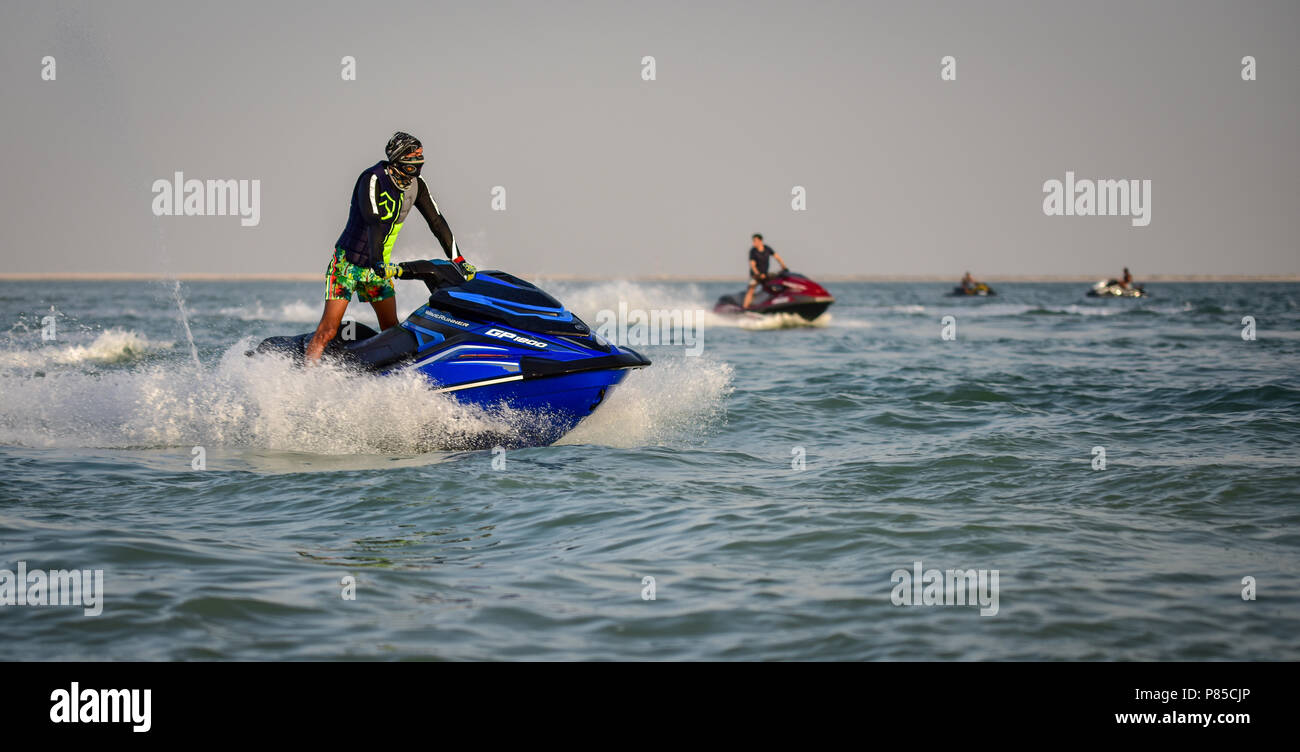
(608, 174)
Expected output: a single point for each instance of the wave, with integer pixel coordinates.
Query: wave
(679, 398)
(262, 403)
(109, 346)
(764, 322)
(296, 311)
(267, 403)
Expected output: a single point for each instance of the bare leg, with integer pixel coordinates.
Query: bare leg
(386, 311)
(326, 329)
(749, 294)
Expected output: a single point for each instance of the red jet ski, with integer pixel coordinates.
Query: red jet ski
(786, 292)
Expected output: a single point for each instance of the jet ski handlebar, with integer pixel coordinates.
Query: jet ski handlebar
(435, 273)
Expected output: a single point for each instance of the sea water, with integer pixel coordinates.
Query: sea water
(1126, 472)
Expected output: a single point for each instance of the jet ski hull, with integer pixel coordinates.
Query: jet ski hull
(553, 406)
(1113, 290)
(980, 291)
(788, 293)
(809, 310)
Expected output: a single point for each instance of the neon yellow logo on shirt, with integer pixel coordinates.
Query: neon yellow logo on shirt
(388, 205)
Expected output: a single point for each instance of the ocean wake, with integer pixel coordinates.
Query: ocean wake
(266, 403)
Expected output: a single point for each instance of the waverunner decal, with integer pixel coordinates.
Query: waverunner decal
(499, 334)
(430, 313)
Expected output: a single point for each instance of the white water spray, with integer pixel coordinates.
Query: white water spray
(180, 300)
(185, 321)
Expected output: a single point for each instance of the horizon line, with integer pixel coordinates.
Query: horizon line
(300, 277)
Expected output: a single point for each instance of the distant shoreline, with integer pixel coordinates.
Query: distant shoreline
(738, 279)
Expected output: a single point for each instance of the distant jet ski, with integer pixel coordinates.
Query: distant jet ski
(978, 290)
(1112, 289)
(786, 292)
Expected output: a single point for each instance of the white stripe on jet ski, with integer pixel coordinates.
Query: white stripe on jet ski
(508, 366)
(445, 353)
(518, 377)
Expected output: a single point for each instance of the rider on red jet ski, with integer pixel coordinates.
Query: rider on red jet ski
(759, 258)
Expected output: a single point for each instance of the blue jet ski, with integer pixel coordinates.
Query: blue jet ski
(492, 341)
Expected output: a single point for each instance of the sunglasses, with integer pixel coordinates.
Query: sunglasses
(409, 167)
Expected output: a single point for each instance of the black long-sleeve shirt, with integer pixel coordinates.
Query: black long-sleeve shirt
(377, 212)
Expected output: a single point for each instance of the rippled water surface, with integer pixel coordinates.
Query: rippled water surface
(975, 453)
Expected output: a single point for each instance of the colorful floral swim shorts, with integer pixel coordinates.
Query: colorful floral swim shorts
(344, 278)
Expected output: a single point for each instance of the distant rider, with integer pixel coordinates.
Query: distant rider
(760, 256)
(968, 283)
(362, 262)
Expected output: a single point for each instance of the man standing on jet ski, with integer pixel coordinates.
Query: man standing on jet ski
(362, 262)
(760, 256)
